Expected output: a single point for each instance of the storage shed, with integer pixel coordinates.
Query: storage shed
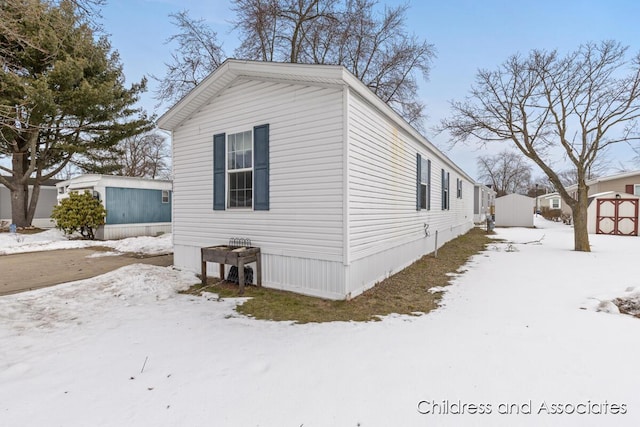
(333, 186)
(613, 213)
(135, 206)
(515, 210)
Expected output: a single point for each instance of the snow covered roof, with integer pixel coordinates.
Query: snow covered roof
(612, 194)
(86, 180)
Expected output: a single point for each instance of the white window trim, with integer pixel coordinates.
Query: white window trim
(636, 189)
(228, 171)
(554, 199)
(168, 197)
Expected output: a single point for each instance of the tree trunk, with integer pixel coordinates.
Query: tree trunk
(20, 191)
(19, 197)
(33, 201)
(579, 211)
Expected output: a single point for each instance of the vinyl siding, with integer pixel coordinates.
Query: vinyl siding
(305, 216)
(617, 185)
(46, 201)
(136, 205)
(386, 232)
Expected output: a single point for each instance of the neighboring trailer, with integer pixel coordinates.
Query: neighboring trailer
(335, 188)
(483, 202)
(515, 210)
(46, 201)
(135, 206)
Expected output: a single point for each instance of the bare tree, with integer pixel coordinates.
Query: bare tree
(577, 105)
(508, 172)
(62, 95)
(197, 55)
(374, 47)
(143, 155)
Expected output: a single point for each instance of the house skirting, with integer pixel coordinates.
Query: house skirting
(121, 231)
(325, 278)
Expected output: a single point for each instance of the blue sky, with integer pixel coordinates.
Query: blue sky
(468, 35)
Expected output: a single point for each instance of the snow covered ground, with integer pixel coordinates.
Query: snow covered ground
(13, 243)
(517, 340)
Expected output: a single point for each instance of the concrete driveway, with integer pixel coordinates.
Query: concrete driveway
(32, 270)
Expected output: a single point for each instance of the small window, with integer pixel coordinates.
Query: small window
(636, 189)
(60, 190)
(165, 196)
(555, 203)
(445, 190)
(459, 188)
(425, 184)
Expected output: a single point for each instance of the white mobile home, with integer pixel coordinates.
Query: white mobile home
(135, 206)
(337, 190)
(483, 202)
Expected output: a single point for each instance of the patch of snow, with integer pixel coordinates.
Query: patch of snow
(54, 239)
(126, 349)
(103, 254)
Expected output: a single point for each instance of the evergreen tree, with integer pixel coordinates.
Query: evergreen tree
(62, 95)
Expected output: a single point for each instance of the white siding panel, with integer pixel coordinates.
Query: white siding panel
(386, 232)
(122, 231)
(305, 219)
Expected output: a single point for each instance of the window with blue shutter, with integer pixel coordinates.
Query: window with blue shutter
(418, 182)
(423, 190)
(241, 169)
(445, 190)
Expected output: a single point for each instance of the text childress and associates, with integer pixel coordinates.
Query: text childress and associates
(457, 407)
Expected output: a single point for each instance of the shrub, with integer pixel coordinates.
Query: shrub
(551, 214)
(79, 212)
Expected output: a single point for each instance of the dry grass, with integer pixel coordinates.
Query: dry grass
(406, 292)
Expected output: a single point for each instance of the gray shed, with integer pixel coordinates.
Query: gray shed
(514, 210)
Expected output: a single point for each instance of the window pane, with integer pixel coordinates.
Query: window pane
(424, 171)
(423, 196)
(240, 153)
(240, 189)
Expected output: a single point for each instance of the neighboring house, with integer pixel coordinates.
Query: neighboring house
(483, 202)
(337, 190)
(623, 183)
(135, 206)
(515, 210)
(549, 201)
(46, 201)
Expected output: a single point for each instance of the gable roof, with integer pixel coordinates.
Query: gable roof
(315, 74)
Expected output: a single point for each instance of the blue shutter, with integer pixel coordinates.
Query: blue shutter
(261, 167)
(448, 192)
(418, 177)
(219, 172)
(428, 184)
(443, 192)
